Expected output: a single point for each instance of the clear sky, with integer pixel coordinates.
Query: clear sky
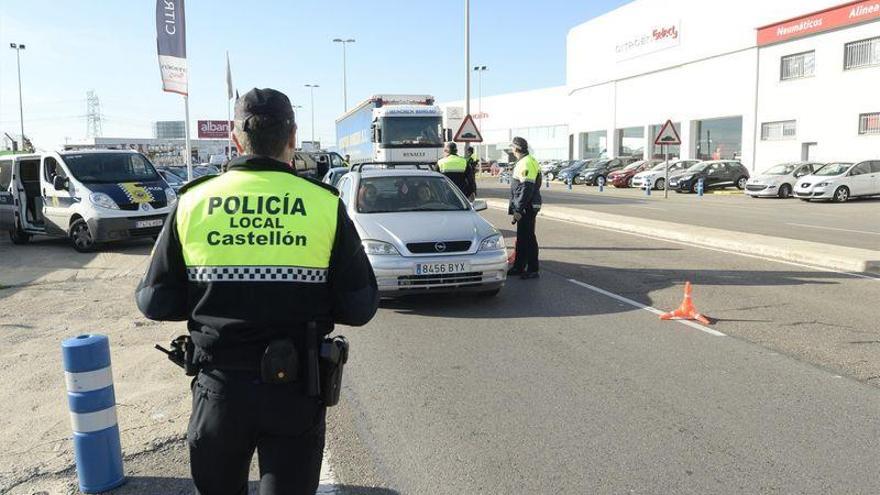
(403, 46)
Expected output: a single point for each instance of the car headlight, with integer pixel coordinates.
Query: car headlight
(170, 196)
(824, 184)
(102, 200)
(379, 248)
(493, 243)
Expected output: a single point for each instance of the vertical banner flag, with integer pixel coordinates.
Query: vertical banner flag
(171, 43)
(228, 78)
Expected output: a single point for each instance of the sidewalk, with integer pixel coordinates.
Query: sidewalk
(809, 253)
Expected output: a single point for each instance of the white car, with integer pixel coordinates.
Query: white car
(656, 176)
(840, 181)
(420, 233)
(779, 181)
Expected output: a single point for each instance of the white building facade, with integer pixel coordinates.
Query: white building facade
(755, 80)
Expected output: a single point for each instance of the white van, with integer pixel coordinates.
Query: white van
(89, 197)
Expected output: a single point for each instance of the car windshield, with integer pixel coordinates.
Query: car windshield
(783, 169)
(171, 178)
(407, 194)
(833, 169)
(633, 166)
(411, 131)
(698, 167)
(90, 168)
(599, 164)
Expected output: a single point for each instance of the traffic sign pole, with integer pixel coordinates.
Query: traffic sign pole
(666, 181)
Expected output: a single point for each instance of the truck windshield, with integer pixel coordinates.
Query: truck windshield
(110, 167)
(411, 131)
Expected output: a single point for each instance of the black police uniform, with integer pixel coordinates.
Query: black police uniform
(525, 199)
(247, 258)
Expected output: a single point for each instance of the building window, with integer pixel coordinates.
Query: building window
(631, 142)
(594, 144)
(775, 131)
(798, 65)
(865, 53)
(869, 123)
(719, 139)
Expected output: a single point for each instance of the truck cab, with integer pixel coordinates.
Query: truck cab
(408, 133)
(89, 197)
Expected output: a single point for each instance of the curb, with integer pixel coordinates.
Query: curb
(815, 254)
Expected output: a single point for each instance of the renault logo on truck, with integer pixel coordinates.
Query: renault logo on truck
(414, 154)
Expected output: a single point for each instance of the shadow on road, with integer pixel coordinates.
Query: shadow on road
(553, 296)
(152, 485)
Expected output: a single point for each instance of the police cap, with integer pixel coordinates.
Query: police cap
(264, 108)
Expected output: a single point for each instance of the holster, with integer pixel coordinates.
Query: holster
(334, 355)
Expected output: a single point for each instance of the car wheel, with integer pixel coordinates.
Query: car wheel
(489, 293)
(19, 236)
(741, 183)
(578, 181)
(550, 176)
(81, 238)
(629, 183)
(841, 195)
(694, 188)
(784, 191)
(660, 184)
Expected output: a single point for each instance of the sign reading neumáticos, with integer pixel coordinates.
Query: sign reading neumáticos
(826, 20)
(171, 45)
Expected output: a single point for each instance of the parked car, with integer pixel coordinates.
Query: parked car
(840, 181)
(173, 180)
(624, 176)
(461, 252)
(571, 172)
(778, 181)
(716, 174)
(334, 174)
(551, 169)
(599, 170)
(655, 177)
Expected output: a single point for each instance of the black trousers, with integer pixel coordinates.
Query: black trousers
(526, 243)
(233, 414)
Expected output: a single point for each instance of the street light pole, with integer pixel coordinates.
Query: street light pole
(479, 69)
(312, 91)
(18, 48)
(344, 70)
(467, 56)
(298, 138)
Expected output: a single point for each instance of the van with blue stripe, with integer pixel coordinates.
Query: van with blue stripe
(90, 197)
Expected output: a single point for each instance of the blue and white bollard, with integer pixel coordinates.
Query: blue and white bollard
(601, 182)
(647, 189)
(92, 403)
(700, 187)
(568, 182)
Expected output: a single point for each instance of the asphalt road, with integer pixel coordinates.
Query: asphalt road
(854, 224)
(554, 387)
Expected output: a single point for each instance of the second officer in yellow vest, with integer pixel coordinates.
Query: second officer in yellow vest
(261, 264)
(456, 168)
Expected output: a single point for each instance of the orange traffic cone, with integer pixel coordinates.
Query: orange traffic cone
(687, 310)
(511, 258)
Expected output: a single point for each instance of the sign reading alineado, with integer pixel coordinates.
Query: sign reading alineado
(826, 20)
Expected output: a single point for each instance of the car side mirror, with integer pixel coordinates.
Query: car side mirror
(480, 205)
(60, 183)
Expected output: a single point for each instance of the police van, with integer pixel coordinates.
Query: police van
(89, 197)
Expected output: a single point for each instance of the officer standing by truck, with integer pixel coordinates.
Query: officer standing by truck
(525, 202)
(261, 264)
(455, 167)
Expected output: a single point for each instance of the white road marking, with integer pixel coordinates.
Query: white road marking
(646, 207)
(646, 308)
(834, 228)
(328, 479)
(754, 256)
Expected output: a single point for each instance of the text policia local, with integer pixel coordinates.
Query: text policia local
(260, 212)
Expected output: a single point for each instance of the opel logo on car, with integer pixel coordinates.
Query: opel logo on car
(440, 247)
(145, 206)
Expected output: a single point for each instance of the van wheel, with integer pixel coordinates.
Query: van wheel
(841, 195)
(81, 238)
(19, 236)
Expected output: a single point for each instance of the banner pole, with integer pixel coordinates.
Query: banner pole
(188, 157)
(229, 129)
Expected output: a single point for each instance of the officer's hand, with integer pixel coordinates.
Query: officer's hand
(517, 216)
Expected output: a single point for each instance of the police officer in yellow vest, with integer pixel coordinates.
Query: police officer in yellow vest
(456, 168)
(525, 202)
(261, 264)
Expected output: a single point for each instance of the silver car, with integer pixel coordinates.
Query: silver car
(420, 232)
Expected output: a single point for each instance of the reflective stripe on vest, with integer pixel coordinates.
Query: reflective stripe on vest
(452, 163)
(260, 226)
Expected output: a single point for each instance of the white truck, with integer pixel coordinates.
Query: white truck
(393, 128)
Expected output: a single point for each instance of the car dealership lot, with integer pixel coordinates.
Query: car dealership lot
(854, 224)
